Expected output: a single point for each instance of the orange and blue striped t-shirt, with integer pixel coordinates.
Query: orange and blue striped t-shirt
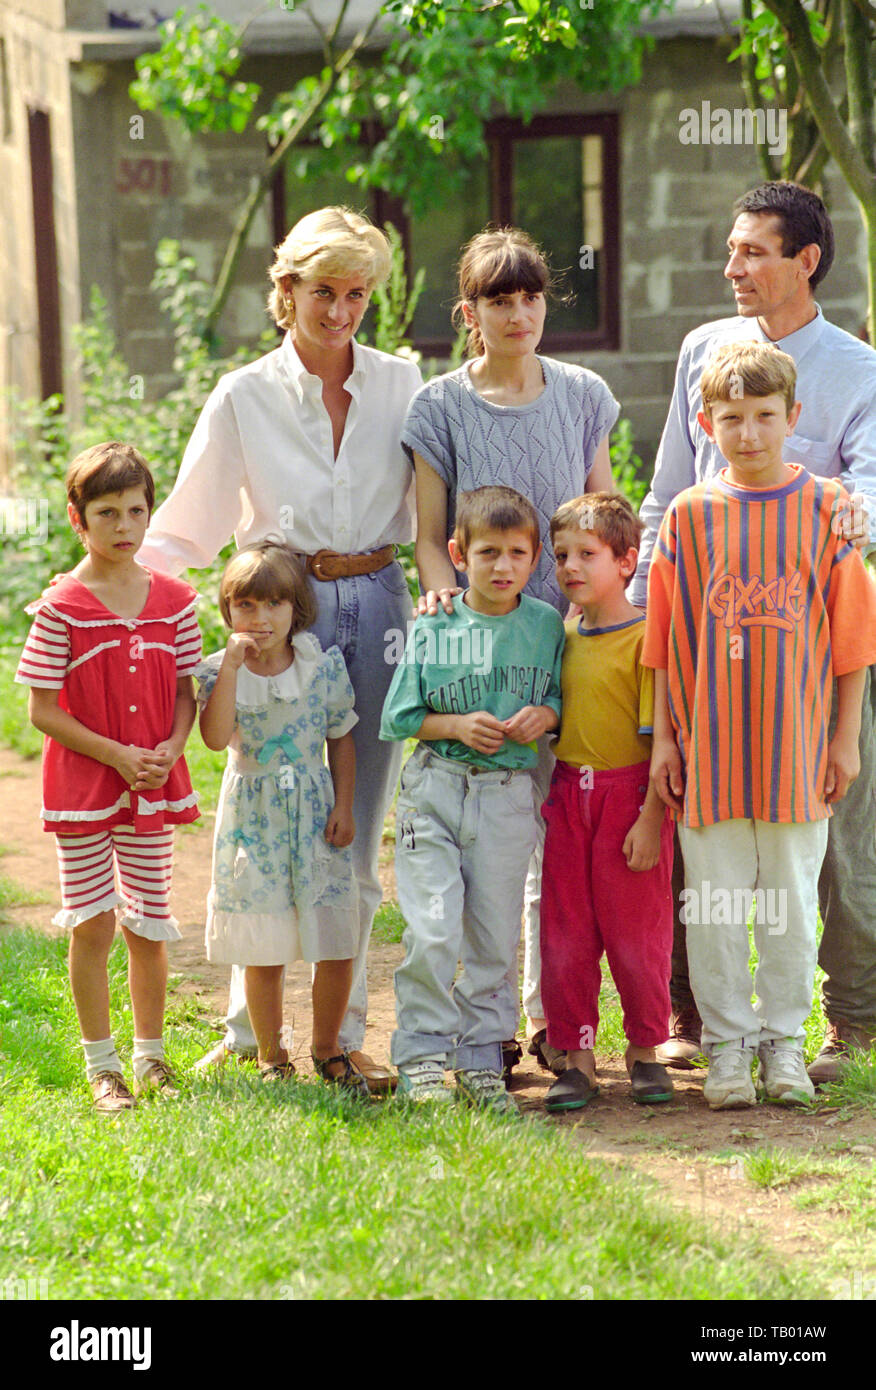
(755, 601)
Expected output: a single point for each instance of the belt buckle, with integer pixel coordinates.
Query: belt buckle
(317, 562)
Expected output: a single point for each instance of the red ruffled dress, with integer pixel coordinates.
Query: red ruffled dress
(117, 676)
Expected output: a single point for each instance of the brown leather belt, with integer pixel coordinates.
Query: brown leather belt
(328, 564)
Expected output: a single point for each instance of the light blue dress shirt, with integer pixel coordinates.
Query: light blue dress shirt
(835, 435)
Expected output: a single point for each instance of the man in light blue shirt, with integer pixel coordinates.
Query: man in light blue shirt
(781, 247)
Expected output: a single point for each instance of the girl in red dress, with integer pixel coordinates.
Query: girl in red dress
(109, 660)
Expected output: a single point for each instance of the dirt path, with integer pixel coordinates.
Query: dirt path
(694, 1158)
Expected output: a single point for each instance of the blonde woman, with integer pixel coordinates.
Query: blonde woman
(303, 445)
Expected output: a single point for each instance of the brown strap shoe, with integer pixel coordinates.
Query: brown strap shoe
(110, 1093)
(379, 1079)
(158, 1077)
(682, 1049)
(840, 1036)
(549, 1058)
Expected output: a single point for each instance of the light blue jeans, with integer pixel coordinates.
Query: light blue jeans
(360, 616)
(464, 838)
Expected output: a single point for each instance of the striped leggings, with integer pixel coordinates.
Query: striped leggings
(87, 865)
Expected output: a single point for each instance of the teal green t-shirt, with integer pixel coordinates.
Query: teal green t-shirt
(467, 661)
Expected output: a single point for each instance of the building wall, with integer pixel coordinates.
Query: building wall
(675, 217)
(125, 179)
(37, 77)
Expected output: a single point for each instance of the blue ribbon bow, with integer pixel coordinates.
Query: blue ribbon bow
(281, 744)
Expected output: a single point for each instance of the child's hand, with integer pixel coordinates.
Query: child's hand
(480, 731)
(666, 778)
(159, 764)
(134, 766)
(843, 766)
(529, 723)
(239, 643)
(340, 828)
(641, 848)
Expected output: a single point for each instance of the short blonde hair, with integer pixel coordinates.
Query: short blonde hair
(748, 369)
(332, 242)
(268, 570)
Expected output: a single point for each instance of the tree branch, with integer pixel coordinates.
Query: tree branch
(750, 88)
(262, 182)
(859, 81)
(792, 16)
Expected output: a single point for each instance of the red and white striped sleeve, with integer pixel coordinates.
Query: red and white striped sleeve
(46, 654)
(188, 643)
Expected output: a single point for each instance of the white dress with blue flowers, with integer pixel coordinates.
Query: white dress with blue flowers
(280, 893)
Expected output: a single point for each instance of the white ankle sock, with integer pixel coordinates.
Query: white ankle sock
(100, 1056)
(147, 1051)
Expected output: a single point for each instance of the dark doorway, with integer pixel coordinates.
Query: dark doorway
(45, 250)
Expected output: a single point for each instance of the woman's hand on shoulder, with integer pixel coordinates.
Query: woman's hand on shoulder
(428, 603)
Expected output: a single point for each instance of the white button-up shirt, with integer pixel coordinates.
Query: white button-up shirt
(835, 435)
(261, 463)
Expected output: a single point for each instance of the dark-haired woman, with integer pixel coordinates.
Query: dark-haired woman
(508, 416)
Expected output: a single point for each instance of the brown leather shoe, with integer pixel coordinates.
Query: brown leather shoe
(839, 1038)
(110, 1093)
(682, 1049)
(158, 1077)
(380, 1079)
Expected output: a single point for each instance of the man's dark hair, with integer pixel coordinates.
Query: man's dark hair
(803, 218)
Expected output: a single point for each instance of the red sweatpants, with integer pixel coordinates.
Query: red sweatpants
(591, 902)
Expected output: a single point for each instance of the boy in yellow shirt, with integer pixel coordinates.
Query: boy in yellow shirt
(608, 850)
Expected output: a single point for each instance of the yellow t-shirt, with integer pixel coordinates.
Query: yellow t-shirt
(608, 697)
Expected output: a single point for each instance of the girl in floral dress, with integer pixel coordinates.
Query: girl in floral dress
(283, 887)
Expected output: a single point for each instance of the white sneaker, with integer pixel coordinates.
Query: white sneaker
(782, 1072)
(423, 1081)
(729, 1085)
(485, 1088)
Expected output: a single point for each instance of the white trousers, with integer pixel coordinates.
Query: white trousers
(727, 868)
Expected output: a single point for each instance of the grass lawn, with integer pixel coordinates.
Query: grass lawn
(318, 1197)
(322, 1198)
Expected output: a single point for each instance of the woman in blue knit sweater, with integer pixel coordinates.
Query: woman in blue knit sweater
(507, 416)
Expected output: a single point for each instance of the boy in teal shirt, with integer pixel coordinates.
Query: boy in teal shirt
(477, 687)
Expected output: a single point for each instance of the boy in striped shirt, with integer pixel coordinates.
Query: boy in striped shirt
(755, 601)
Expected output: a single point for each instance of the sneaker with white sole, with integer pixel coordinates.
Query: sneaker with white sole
(423, 1081)
(485, 1088)
(782, 1072)
(729, 1085)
